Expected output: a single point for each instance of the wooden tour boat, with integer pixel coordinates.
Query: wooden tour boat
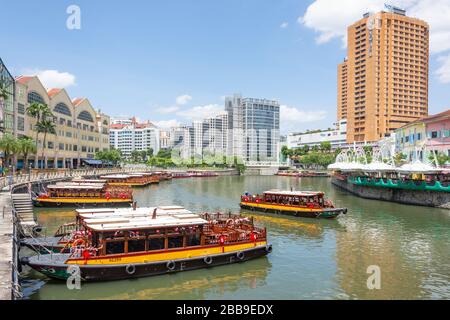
(82, 194)
(131, 180)
(307, 204)
(129, 247)
(64, 236)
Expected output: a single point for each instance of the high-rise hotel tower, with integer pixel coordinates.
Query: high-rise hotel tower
(383, 83)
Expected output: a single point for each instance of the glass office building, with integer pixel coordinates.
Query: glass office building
(7, 101)
(255, 129)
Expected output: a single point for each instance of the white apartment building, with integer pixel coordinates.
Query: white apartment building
(336, 136)
(206, 137)
(254, 129)
(130, 136)
(171, 137)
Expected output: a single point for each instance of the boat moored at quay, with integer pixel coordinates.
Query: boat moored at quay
(82, 193)
(132, 179)
(308, 204)
(130, 247)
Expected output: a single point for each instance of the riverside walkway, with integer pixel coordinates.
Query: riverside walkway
(10, 222)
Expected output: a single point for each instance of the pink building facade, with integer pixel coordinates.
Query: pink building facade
(438, 132)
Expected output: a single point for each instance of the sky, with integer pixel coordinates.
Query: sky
(174, 61)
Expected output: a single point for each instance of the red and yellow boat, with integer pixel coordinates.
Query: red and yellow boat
(308, 204)
(82, 194)
(138, 247)
(130, 180)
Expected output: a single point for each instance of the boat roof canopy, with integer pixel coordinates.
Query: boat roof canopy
(294, 193)
(76, 186)
(116, 176)
(165, 221)
(80, 180)
(128, 212)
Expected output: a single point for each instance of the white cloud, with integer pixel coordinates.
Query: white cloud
(201, 112)
(330, 19)
(291, 118)
(443, 72)
(167, 110)
(167, 123)
(54, 78)
(184, 99)
(284, 25)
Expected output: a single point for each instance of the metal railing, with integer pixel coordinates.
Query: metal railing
(53, 175)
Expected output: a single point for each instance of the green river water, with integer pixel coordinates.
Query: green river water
(311, 259)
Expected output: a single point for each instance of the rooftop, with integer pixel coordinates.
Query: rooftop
(294, 193)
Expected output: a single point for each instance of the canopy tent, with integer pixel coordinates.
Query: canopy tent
(379, 166)
(418, 167)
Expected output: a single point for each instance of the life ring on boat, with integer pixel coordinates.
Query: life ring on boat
(122, 196)
(77, 243)
(240, 255)
(51, 270)
(208, 260)
(253, 236)
(170, 265)
(269, 248)
(222, 240)
(130, 269)
(245, 199)
(230, 222)
(107, 195)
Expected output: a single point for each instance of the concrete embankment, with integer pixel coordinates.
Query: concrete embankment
(413, 197)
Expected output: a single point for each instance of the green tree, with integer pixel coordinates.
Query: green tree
(440, 157)
(135, 155)
(41, 112)
(46, 127)
(399, 159)
(325, 146)
(9, 145)
(149, 152)
(26, 146)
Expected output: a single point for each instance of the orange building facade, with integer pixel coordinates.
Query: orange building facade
(383, 84)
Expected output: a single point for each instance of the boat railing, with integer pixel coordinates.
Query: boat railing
(234, 235)
(66, 229)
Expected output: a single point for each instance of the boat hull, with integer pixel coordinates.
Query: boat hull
(57, 269)
(326, 213)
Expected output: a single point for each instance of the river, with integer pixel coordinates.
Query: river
(311, 259)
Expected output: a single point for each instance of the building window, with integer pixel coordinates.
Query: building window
(20, 108)
(34, 97)
(20, 124)
(434, 134)
(86, 116)
(50, 145)
(61, 146)
(63, 109)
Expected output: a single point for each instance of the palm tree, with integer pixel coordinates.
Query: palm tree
(45, 126)
(41, 112)
(9, 146)
(26, 146)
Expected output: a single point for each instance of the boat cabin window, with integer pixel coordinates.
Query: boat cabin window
(136, 245)
(156, 244)
(175, 242)
(115, 247)
(193, 240)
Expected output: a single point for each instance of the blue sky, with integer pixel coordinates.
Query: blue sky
(137, 57)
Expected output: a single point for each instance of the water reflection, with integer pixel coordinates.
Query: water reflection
(199, 284)
(311, 258)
